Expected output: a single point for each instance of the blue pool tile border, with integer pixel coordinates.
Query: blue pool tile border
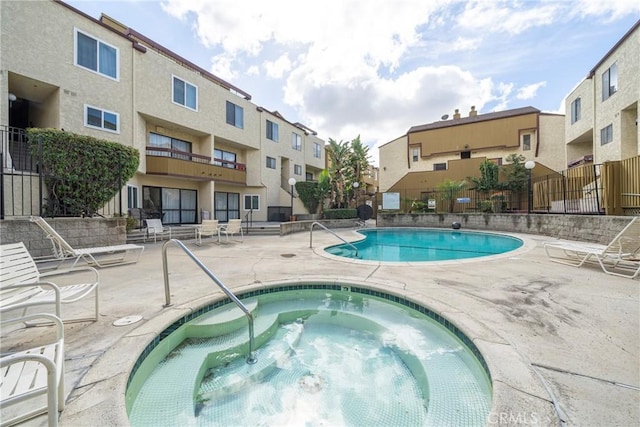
(313, 286)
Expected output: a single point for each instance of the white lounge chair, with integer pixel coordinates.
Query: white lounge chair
(22, 285)
(234, 226)
(31, 373)
(208, 228)
(103, 256)
(156, 229)
(623, 253)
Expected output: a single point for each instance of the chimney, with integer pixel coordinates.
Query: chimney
(456, 114)
(473, 111)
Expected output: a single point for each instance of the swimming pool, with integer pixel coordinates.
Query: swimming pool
(330, 354)
(424, 244)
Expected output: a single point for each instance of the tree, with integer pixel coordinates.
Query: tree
(449, 190)
(339, 171)
(347, 161)
(359, 161)
(488, 180)
(516, 174)
(81, 173)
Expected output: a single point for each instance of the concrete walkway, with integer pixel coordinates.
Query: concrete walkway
(562, 343)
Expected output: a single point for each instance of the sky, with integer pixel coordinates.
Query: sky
(374, 68)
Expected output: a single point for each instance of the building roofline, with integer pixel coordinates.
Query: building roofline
(305, 129)
(613, 49)
(474, 119)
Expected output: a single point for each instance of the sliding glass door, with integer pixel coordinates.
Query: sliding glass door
(227, 206)
(173, 205)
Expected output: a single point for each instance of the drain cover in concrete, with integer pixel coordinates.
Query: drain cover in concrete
(127, 320)
(287, 255)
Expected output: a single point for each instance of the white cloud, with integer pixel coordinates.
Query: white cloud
(612, 9)
(507, 16)
(222, 66)
(276, 69)
(377, 67)
(529, 91)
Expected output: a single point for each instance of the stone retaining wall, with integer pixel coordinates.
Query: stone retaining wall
(78, 232)
(587, 228)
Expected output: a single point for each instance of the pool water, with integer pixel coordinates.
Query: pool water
(328, 358)
(420, 244)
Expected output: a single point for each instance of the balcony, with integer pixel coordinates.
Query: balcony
(181, 164)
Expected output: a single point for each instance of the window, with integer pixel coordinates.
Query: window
(251, 202)
(170, 147)
(316, 150)
(185, 93)
(497, 161)
(225, 159)
(308, 176)
(175, 205)
(610, 81)
(101, 119)
(272, 131)
(526, 142)
(296, 141)
(235, 115)
(606, 135)
(415, 154)
(132, 197)
(297, 170)
(465, 154)
(575, 110)
(439, 166)
(95, 55)
(271, 162)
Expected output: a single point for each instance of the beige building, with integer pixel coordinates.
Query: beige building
(454, 148)
(601, 122)
(206, 149)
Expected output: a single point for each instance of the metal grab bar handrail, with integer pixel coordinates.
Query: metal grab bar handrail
(165, 267)
(321, 225)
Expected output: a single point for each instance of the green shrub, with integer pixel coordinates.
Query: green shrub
(81, 173)
(340, 213)
(308, 193)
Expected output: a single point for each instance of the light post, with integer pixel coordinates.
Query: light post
(356, 185)
(292, 182)
(529, 164)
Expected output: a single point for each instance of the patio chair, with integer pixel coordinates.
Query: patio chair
(103, 256)
(234, 226)
(22, 285)
(210, 228)
(622, 253)
(32, 373)
(156, 229)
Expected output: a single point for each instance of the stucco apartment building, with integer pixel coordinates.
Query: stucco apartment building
(600, 125)
(454, 148)
(206, 149)
(602, 111)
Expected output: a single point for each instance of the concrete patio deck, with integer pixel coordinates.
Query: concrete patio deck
(562, 343)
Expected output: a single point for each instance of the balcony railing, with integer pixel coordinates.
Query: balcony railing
(168, 162)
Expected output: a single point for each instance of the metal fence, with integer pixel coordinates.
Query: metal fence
(23, 189)
(574, 191)
(580, 190)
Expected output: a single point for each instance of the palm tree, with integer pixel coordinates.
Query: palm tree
(449, 190)
(359, 161)
(340, 171)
